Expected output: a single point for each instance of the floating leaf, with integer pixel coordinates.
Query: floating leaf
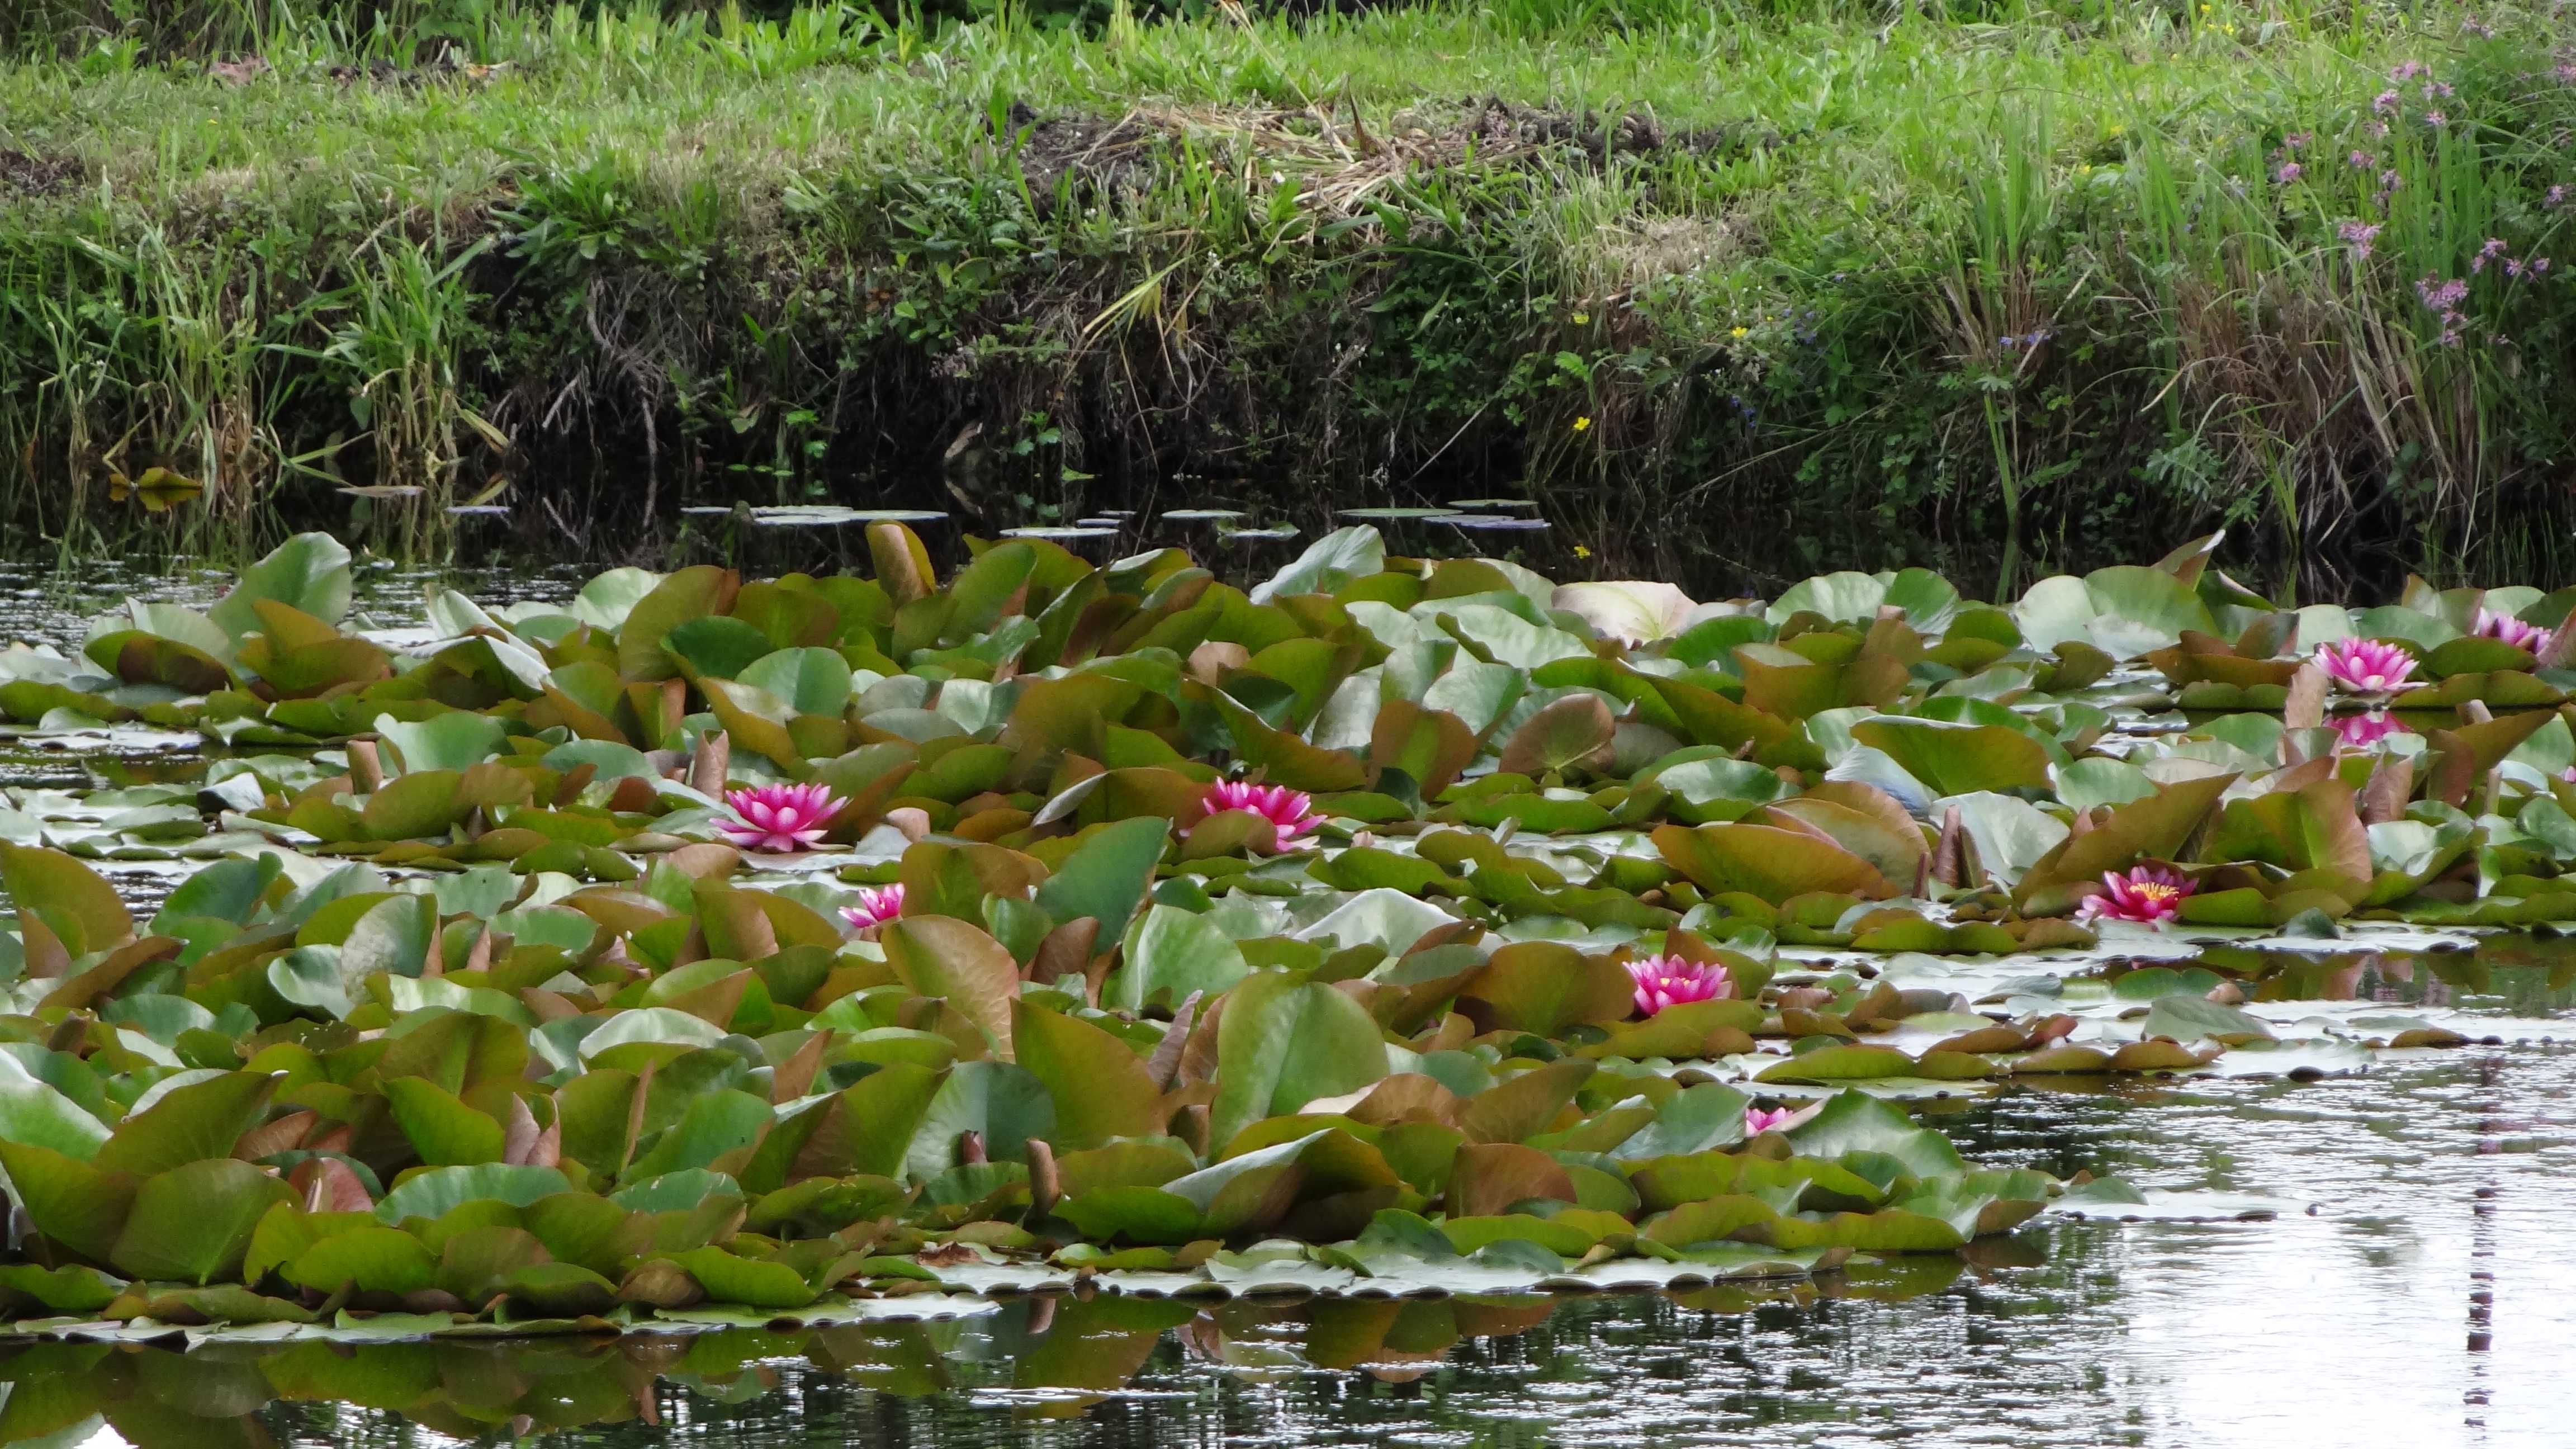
(193, 1223)
(1107, 875)
(1328, 564)
(442, 1129)
(1766, 862)
(34, 1112)
(80, 1206)
(2189, 1018)
(82, 910)
(1168, 954)
(1283, 1043)
(1630, 611)
(1855, 1122)
(1001, 1104)
(365, 1260)
(1100, 1086)
(2153, 828)
(941, 956)
(309, 573)
(189, 1123)
(1957, 758)
(1545, 987)
(1574, 733)
(692, 593)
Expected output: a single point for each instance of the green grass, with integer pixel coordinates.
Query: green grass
(718, 258)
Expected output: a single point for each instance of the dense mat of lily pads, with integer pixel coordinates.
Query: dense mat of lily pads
(783, 944)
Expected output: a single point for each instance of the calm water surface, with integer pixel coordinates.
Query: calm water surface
(2418, 1290)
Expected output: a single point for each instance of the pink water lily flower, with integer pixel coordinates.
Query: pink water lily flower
(779, 817)
(2366, 666)
(1670, 981)
(2146, 894)
(1291, 813)
(1758, 1120)
(2361, 731)
(875, 908)
(2516, 632)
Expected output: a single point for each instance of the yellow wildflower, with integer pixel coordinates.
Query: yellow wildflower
(1582, 424)
(1581, 552)
(1740, 332)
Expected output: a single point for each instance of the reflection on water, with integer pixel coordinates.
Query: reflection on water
(2419, 1291)
(2518, 975)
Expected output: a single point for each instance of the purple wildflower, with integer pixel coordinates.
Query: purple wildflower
(2440, 296)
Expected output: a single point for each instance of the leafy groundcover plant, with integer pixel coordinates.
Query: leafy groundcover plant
(700, 947)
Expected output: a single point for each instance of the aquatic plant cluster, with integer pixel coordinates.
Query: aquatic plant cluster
(1282, 258)
(698, 945)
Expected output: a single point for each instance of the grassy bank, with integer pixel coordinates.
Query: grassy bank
(1738, 293)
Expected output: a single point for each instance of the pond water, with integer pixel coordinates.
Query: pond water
(2418, 1290)
(2418, 1286)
